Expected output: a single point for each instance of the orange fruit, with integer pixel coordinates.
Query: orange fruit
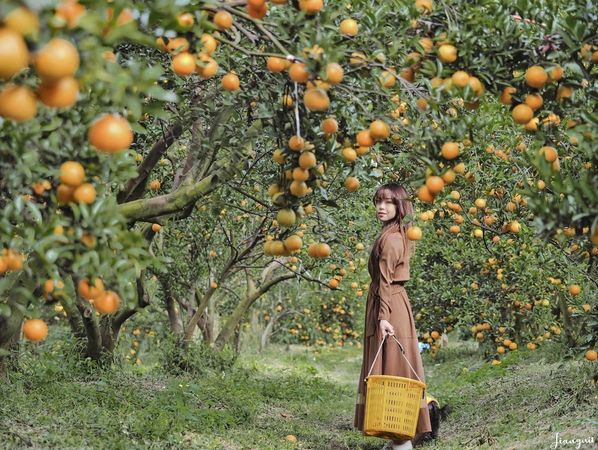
(208, 43)
(59, 94)
(522, 113)
(110, 133)
(555, 73)
(13, 53)
(156, 227)
(536, 77)
(447, 53)
(316, 99)
(293, 243)
(17, 103)
(506, 95)
(550, 153)
(574, 289)
(177, 44)
(86, 193)
(64, 194)
(155, 185)
(423, 6)
(424, 194)
(256, 3)
(334, 73)
(183, 64)
(388, 78)
(379, 130)
(279, 156)
(450, 150)
(351, 184)
(257, 12)
(357, 59)
(307, 160)
(362, 150)
(296, 143)
(3, 265)
(207, 67)
(286, 101)
(333, 283)
(460, 78)
(230, 82)
(298, 72)
(298, 188)
(13, 260)
(72, 173)
(90, 292)
(435, 184)
(107, 302)
(300, 174)
(276, 65)
(407, 74)
(329, 126)
(349, 154)
(563, 92)
(286, 217)
(70, 11)
(57, 59)
(591, 355)
(364, 138)
(319, 250)
(449, 176)
(35, 330)
(414, 233)
(427, 44)
(534, 101)
(311, 7)
(223, 20)
(23, 21)
(185, 20)
(349, 27)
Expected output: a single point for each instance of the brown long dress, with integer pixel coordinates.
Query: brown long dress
(387, 300)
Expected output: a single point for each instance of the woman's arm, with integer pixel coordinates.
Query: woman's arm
(391, 252)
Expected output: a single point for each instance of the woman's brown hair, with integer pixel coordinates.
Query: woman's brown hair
(399, 196)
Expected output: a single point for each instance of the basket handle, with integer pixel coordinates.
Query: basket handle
(402, 353)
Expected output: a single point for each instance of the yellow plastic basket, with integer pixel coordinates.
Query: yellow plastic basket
(392, 403)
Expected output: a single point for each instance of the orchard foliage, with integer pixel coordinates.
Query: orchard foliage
(119, 120)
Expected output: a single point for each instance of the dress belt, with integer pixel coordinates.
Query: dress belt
(402, 283)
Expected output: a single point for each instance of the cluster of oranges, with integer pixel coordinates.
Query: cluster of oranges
(536, 78)
(55, 63)
(105, 302)
(72, 185)
(10, 260)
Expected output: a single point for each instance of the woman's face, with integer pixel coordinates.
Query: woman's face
(385, 209)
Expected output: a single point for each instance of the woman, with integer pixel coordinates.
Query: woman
(388, 310)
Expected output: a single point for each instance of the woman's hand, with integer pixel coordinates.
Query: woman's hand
(386, 327)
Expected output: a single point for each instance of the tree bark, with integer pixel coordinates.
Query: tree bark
(186, 194)
(10, 329)
(135, 187)
(235, 318)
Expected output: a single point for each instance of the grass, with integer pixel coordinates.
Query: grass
(55, 401)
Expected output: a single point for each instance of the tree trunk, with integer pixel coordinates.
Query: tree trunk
(174, 319)
(10, 329)
(566, 321)
(265, 340)
(238, 339)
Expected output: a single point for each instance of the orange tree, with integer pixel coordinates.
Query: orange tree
(242, 78)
